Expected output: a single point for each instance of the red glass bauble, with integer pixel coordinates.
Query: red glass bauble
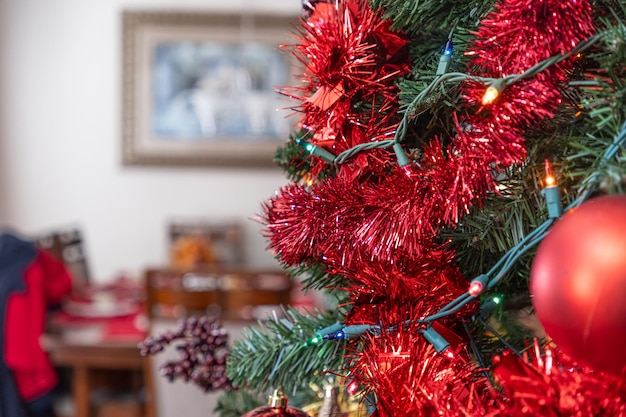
(578, 283)
(277, 407)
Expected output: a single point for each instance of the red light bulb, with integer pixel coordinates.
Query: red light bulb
(475, 288)
(352, 387)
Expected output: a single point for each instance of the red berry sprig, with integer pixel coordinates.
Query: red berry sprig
(203, 351)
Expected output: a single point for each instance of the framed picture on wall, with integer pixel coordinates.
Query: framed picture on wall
(200, 88)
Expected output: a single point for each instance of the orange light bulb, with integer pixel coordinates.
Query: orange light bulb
(491, 94)
(493, 91)
(549, 179)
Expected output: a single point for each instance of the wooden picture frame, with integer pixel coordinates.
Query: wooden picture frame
(200, 88)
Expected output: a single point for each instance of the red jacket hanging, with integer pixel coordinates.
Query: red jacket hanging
(45, 282)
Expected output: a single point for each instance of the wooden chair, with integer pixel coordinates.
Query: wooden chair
(67, 245)
(253, 294)
(172, 293)
(237, 296)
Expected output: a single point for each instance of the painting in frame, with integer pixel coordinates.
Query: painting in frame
(200, 88)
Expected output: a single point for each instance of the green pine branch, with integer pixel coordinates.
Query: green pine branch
(603, 104)
(431, 15)
(276, 353)
(430, 24)
(314, 276)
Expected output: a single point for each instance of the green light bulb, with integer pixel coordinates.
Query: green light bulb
(316, 340)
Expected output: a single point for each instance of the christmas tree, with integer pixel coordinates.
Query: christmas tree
(456, 189)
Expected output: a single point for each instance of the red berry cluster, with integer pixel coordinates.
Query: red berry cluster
(203, 350)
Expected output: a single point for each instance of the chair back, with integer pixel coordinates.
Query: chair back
(224, 242)
(67, 245)
(172, 293)
(225, 293)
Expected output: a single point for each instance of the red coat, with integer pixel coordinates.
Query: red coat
(46, 282)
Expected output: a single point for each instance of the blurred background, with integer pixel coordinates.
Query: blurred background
(60, 139)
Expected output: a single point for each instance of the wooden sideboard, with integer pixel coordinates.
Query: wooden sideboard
(225, 293)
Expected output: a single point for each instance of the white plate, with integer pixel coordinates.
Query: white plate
(99, 309)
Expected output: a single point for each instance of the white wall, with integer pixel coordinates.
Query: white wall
(60, 138)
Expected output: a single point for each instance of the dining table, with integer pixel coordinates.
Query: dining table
(95, 334)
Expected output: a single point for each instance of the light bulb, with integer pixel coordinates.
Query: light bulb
(477, 285)
(551, 192)
(334, 336)
(352, 387)
(317, 151)
(315, 340)
(493, 91)
(475, 288)
(549, 361)
(446, 58)
(491, 94)
(549, 179)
